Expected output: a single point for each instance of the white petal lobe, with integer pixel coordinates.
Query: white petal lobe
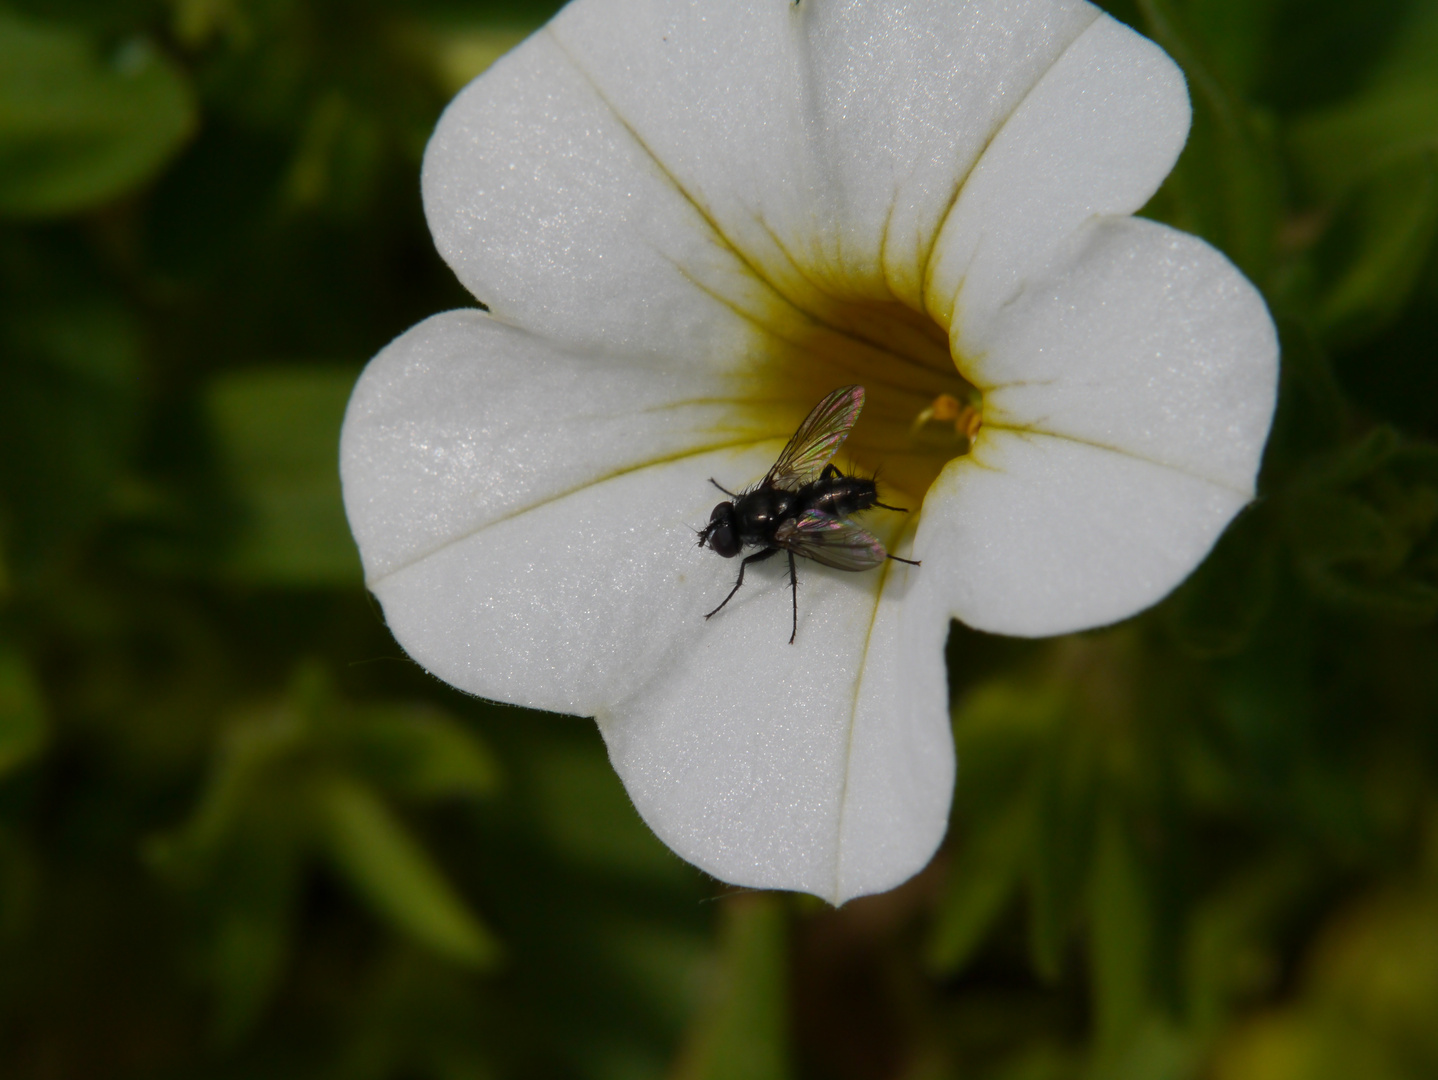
(650, 172)
(828, 141)
(552, 212)
(578, 602)
(825, 766)
(1035, 534)
(900, 771)
(1145, 340)
(1096, 135)
(463, 421)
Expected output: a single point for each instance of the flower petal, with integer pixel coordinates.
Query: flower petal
(1035, 535)
(829, 141)
(826, 766)
(553, 213)
(576, 602)
(524, 513)
(1130, 399)
(1096, 135)
(611, 161)
(1144, 340)
(462, 422)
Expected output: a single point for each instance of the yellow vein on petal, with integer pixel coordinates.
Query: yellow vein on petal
(649, 152)
(689, 403)
(560, 496)
(850, 332)
(993, 388)
(801, 403)
(973, 460)
(1078, 440)
(864, 373)
(886, 569)
(704, 215)
(884, 239)
(962, 182)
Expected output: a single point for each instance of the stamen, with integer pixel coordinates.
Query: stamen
(948, 425)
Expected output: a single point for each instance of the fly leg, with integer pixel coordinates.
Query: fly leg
(758, 556)
(794, 586)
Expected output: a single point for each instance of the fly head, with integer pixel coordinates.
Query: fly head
(720, 533)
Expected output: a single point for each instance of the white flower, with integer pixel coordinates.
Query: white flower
(692, 219)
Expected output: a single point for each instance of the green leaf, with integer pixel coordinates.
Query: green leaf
(1230, 954)
(1121, 937)
(1379, 965)
(1412, 48)
(250, 777)
(69, 410)
(389, 869)
(461, 54)
(1216, 611)
(1395, 220)
(337, 161)
(276, 791)
(1000, 730)
(23, 726)
(424, 753)
(1226, 185)
(78, 128)
(742, 1031)
(1062, 849)
(1312, 414)
(1235, 34)
(252, 910)
(1353, 461)
(1389, 122)
(985, 872)
(1337, 149)
(587, 819)
(1156, 1051)
(1352, 554)
(1029, 798)
(278, 435)
(239, 859)
(1364, 526)
(1369, 163)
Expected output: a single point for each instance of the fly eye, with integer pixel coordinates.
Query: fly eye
(722, 538)
(723, 541)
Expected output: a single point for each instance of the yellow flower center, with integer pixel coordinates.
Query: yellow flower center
(919, 412)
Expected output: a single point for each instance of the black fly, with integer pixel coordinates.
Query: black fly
(802, 504)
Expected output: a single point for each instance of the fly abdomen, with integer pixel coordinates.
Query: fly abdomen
(839, 496)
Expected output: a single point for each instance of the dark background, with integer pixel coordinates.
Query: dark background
(242, 836)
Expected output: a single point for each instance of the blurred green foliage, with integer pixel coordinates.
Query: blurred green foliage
(241, 835)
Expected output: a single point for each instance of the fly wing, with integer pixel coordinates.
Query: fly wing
(817, 439)
(835, 542)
